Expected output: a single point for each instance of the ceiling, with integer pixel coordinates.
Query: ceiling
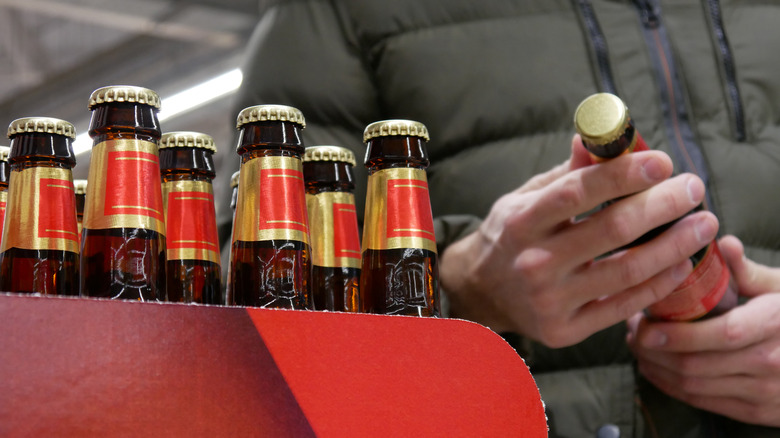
(54, 53)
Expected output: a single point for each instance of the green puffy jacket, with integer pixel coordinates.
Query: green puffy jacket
(497, 81)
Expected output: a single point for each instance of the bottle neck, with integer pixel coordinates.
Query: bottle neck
(270, 138)
(626, 142)
(328, 176)
(124, 120)
(39, 149)
(396, 151)
(5, 172)
(196, 162)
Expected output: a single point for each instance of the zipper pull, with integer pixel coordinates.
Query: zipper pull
(648, 13)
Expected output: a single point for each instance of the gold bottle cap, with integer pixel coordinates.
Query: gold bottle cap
(5, 151)
(234, 179)
(124, 93)
(329, 153)
(601, 118)
(187, 139)
(45, 125)
(263, 113)
(386, 128)
(80, 186)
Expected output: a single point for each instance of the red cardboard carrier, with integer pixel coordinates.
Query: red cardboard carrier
(87, 367)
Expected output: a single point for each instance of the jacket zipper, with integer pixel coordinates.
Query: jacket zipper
(729, 70)
(678, 129)
(599, 45)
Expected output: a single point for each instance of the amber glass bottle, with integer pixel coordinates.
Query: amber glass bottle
(5, 173)
(399, 262)
(606, 128)
(80, 185)
(193, 271)
(233, 203)
(123, 245)
(604, 123)
(39, 252)
(335, 240)
(270, 260)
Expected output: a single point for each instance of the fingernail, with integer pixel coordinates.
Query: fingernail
(652, 170)
(655, 338)
(695, 191)
(704, 230)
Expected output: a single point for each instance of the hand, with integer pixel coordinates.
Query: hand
(729, 364)
(530, 267)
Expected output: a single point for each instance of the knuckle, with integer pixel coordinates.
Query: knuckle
(631, 272)
(570, 194)
(735, 333)
(618, 228)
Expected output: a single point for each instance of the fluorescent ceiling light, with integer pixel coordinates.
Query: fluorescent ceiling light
(182, 102)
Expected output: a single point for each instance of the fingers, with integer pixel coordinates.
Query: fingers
(745, 325)
(609, 310)
(629, 219)
(636, 266)
(749, 398)
(751, 278)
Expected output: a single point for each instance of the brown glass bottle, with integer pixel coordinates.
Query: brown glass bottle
(335, 240)
(399, 264)
(270, 261)
(39, 252)
(233, 204)
(5, 173)
(123, 240)
(80, 185)
(193, 271)
(607, 131)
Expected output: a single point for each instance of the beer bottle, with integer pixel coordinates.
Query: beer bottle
(270, 261)
(399, 262)
(607, 131)
(335, 242)
(5, 173)
(234, 191)
(193, 270)
(233, 203)
(123, 245)
(80, 186)
(39, 252)
(606, 128)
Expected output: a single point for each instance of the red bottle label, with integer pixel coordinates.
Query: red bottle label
(191, 226)
(128, 190)
(55, 213)
(282, 202)
(699, 293)
(398, 211)
(346, 240)
(41, 211)
(271, 201)
(125, 190)
(335, 241)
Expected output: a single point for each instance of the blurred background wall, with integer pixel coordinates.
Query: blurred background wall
(54, 53)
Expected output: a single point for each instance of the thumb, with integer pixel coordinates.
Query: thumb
(751, 278)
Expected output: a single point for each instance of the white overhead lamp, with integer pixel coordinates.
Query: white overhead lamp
(182, 102)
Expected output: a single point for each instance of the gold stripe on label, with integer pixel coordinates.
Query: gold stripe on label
(247, 221)
(192, 254)
(322, 225)
(94, 208)
(375, 221)
(22, 226)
